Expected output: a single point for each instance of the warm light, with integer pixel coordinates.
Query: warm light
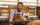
(13, 3)
(27, 0)
(39, 2)
(8, 0)
(30, 4)
(3, 6)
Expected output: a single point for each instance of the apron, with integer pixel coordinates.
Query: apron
(17, 16)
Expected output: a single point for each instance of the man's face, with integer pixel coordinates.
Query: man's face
(20, 6)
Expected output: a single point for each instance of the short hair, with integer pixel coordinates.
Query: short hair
(20, 3)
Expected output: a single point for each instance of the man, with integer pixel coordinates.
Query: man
(19, 8)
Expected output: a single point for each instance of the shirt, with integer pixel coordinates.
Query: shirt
(12, 14)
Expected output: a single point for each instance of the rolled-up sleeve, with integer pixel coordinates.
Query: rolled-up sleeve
(11, 17)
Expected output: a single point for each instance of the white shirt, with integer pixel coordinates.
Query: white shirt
(12, 14)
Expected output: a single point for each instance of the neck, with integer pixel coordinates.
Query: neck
(18, 10)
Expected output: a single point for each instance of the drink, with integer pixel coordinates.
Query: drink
(26, 16)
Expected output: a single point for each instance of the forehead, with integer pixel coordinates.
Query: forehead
(20, 5)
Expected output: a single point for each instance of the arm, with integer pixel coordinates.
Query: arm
(24, 16)
(11, 17)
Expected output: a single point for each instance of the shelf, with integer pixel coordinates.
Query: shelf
(4, 12)
(4, 8)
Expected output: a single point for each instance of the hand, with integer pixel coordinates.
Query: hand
(18, 20)
(10, 21)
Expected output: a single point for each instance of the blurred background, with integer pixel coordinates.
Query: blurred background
(8, 6)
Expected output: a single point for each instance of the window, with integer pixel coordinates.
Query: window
(3, 6)
(33, 2)
(30, 4)
(8, 0)
(39, 2)
(13, 3)
(27, 0)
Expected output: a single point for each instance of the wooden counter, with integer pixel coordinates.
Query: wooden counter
(34, 22)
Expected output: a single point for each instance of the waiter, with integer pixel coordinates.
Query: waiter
(19, 8)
